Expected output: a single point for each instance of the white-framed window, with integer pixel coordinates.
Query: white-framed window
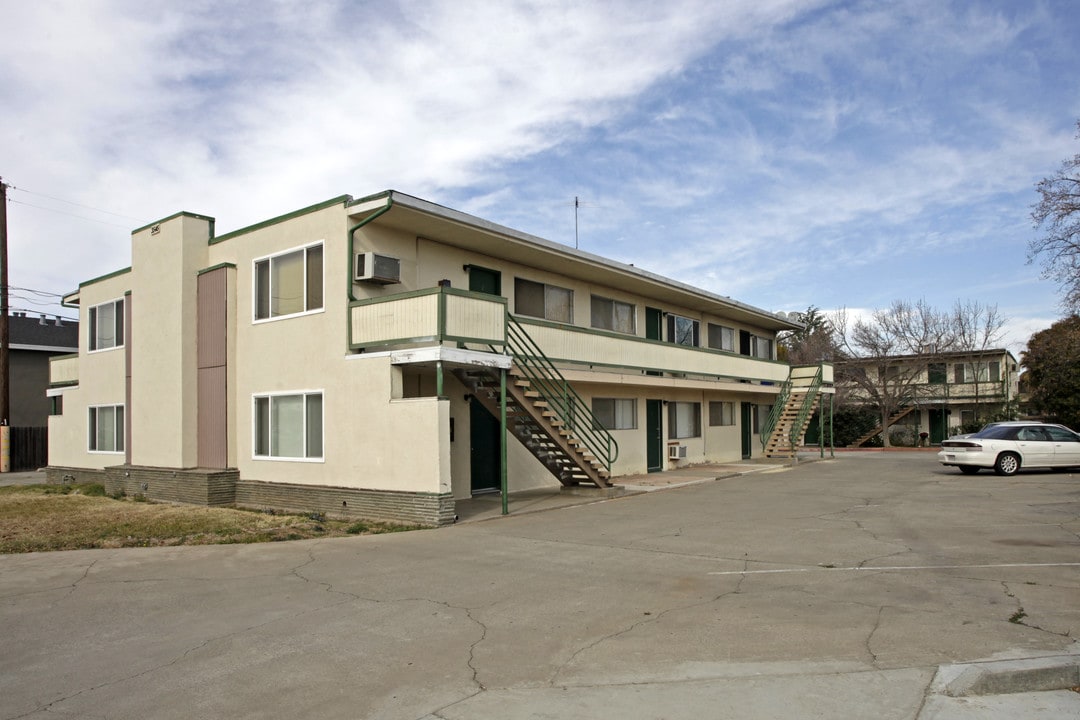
(615, 413)
(107, 325)
(614, 315)
(288, 426)
(721, 413)
(289, 283)
(683, 331)
(761, 347)
(684, 420)
(721, 337)
(540, 300)
(983, 372)
(106, 429)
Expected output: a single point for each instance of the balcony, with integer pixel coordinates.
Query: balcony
(440, 315)
(64, 370)
(427, 317)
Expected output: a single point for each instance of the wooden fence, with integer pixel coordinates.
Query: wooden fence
(29, 448)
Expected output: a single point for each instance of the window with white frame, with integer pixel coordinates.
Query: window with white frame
(289, 426)
(540, 300)
(980, 372)
(761, 347)
(615, 413)
(683, 331)
(610, 314)
(684, 420)
(289, 283)
(107, 325)
(106, 429)
(721, 337)
(721, 413)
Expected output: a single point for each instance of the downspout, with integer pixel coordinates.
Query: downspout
(352, 236)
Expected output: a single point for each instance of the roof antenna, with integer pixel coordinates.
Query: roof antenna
(577, 204)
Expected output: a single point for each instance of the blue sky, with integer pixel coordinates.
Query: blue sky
(839, 154)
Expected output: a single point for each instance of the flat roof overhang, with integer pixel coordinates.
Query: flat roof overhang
(452, 227)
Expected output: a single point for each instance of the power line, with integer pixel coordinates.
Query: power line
(33, 301)
(61, 212)
(69, 202)
(36, 292)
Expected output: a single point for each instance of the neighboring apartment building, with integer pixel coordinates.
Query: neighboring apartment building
(942, 393)
(33, 340)
(363, 357)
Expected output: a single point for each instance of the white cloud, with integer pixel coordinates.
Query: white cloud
(753, 148)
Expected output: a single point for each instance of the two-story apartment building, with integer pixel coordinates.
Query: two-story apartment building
(386, 356)
(937, 394)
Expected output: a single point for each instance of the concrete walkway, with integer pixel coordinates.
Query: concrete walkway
(861, 587)
(29, 477)
(489, 506)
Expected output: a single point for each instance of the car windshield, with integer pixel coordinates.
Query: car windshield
(996, 432)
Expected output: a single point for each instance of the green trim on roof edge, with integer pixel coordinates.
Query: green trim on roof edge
(98, 279)
(339, 200)
(182, 213)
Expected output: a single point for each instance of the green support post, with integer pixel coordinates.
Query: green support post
(502, 443)
(438, 379)
(832, 446)
(821, 426)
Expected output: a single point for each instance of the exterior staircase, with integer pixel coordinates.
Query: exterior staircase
(533, 421)
(877, 430)
(545, 413)
(791, 413)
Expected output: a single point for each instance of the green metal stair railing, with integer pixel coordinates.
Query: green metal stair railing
(774, 414)
(562, 399)
(806, 409)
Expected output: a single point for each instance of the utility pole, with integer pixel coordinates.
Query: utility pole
(5, 339)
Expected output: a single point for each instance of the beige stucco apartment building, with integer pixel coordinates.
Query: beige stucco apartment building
(939, 394)
(363, 357)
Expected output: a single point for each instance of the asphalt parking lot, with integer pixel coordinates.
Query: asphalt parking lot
(831, 589)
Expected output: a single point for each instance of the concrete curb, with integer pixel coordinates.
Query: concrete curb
(1054, 672)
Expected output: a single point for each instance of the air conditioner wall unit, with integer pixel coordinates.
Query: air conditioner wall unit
(676, 452)
(374, 268)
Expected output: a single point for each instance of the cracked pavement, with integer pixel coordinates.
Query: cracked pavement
(831, 589)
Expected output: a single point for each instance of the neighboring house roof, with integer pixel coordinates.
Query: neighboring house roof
(931, 357)
(43, 333)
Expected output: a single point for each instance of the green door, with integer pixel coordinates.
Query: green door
(654, 454)
(938, 426)
(746, 428)
(484, 451)
(654, 326)
(486, 281)
(654, 323)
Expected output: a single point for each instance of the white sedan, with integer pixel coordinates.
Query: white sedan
(1007, 447)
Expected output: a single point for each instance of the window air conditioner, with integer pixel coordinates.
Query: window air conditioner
(676, 452)
(373, 268)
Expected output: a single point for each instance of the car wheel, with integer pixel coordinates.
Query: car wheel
(1007, 464)
(968, 469)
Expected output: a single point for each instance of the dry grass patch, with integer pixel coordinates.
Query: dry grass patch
(73, 517)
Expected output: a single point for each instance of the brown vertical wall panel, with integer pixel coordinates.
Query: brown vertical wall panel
(213, 363)
(213, 287)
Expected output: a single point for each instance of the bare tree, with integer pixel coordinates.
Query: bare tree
(888, 355)
(1058, 215)
(978, 328)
